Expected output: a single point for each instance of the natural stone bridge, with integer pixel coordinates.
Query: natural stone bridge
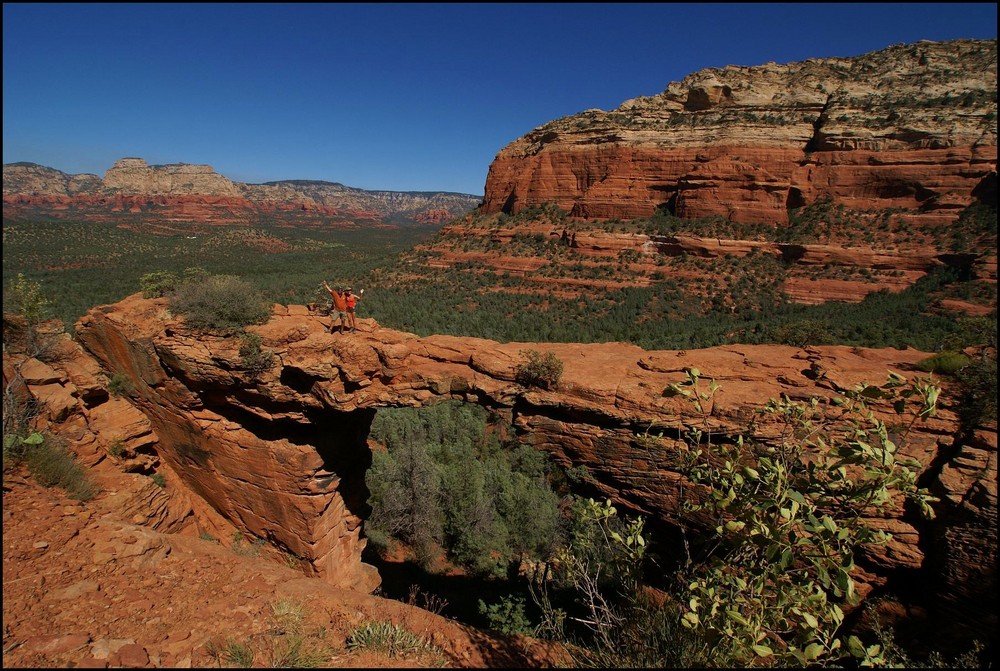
(284, 456)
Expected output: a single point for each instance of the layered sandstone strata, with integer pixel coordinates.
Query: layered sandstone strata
(911, 126)
(134, 177)
(196, 193)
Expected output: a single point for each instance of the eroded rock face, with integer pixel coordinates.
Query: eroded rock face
(196, 193)
(133, 176)
(284, 455)
(911, 126)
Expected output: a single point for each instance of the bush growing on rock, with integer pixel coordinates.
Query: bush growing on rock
(220, 302)
(769, 584)
(946, 363)
(254, 358)
(157, 284)
(539, 370)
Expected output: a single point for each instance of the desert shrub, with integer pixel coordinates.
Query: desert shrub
(17, 445)
(426, 600)
(787, 527)
(195, 274)
(158, 479)
(767, 586)
(46, 458)
(116, 448)
(979, 392)
(254, 358)
(220, 302)
(945, 363)
(601, 562)
(20, 412)
(119, 385)
(389, 638)
(233, 652)
(592, 597)
(27, 300)
(803, 332)
(507, 615)
(286, 644)
(243, 548)
(157, 284)
(405, 487)
(975, 656)
(539, 369)
(52, 465)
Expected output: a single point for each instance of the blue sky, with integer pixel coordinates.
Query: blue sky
(405, 97)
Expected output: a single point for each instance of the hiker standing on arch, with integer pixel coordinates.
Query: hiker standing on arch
(339, 306)
(352, 302)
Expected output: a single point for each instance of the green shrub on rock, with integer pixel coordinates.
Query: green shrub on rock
(539, 369)
(220, 302)
(946, 363)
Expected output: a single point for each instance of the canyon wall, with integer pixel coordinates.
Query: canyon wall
(910, 127)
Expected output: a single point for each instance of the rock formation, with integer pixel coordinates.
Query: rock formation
(605, 256)
(283, 455)
(196, 193)
(911, 126)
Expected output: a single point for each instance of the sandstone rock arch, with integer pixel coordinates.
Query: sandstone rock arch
(284, 455)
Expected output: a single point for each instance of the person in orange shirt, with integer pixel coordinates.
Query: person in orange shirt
(339, 306)
(352, 301)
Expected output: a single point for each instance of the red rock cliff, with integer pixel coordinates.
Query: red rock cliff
(911, 126)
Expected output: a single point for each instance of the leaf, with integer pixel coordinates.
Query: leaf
(674, 390)
(843, 580)
(810, 620)
(762, 651)
(737, 617)
(690, 620)
(855, 646)
(829, 524)
(813, 651)
(34, 439)
(871, 391)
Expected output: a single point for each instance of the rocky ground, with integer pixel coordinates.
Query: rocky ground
(83, 587)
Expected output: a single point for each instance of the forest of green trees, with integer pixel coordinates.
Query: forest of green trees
(80, 265)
